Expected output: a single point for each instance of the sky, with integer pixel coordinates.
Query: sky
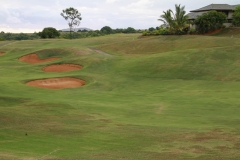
(28, 16)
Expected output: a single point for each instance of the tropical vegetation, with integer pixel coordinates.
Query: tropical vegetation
(176, 22)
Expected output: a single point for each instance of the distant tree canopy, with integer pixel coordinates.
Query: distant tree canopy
(96, 33)
(129, 30)
(176, 22)
(18, 36)
(107, 30)
(236, 16)
(49, 33)
(126, 30)
(210, 21)
(151, 29)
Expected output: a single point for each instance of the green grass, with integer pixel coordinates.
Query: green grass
(165, 97)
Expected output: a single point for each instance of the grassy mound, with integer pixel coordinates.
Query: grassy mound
(161, 44)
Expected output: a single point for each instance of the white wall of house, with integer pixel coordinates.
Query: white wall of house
(230, 15)
(193, 26)
(227, 24)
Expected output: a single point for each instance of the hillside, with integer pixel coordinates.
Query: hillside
(163, 97)
(229, 32)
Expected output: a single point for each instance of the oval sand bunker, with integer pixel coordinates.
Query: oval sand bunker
(57, 83)
(62, 68)
(34, 59)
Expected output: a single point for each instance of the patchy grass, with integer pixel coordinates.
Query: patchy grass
(229, 32)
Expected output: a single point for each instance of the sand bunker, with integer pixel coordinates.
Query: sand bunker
(1, 53)
(62, 68)
(34, 59)
(57, 83)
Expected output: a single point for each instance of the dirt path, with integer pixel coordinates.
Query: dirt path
(100, 52)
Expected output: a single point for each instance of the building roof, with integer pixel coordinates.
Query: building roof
(221, 7)
(192, 16)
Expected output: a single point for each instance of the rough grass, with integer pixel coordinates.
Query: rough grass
(229, 32)
(170, 97)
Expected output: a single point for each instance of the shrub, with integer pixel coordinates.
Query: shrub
(210, 21)
(236, 16)
(129, 30)
(165, 31)
(161, 31)
(107, 30)
(49, 33)
(192, 31)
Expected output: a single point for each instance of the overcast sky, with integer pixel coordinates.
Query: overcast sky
(33, 15)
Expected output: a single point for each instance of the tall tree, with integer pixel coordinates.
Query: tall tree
(72, 16)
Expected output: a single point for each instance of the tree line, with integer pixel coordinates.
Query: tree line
(18, 36)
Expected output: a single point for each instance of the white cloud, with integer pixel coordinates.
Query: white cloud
(14, 20)
(111, 1)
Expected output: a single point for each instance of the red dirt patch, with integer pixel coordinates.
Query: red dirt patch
(213, 32)
(62, 68)
(1, 53)
(57, 83)
(34, 59)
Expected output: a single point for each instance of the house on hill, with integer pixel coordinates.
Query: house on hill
(225, 8)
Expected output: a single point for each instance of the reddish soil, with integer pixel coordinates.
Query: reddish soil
(34, 59)
(57, 83)
(1, 53)
(213, 32)
(62, 68)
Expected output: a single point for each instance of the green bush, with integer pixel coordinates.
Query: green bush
(192, 31)
(107, 30)
(236, 16)
(210, 21)
(129, 30)
(161, 31)
(165, 31)
(49, 33)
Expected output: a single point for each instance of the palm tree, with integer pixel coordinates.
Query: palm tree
(167, 18)
(177, 21)
(180, 18)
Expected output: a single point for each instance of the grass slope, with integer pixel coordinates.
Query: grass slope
(229, 32)
(170, 97)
